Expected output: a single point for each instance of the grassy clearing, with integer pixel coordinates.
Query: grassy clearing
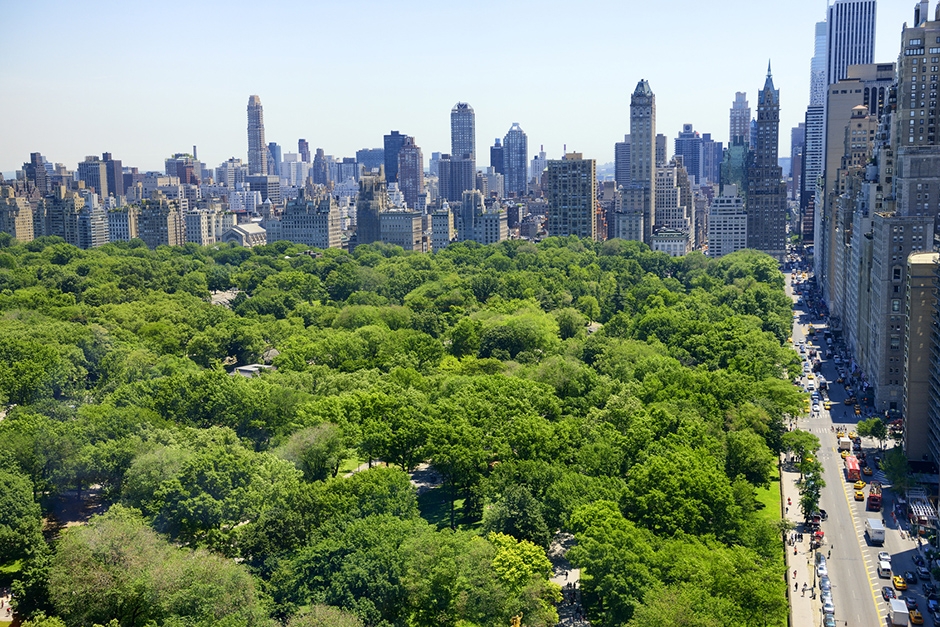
(768, 500)
(350, 464)
(435, 508)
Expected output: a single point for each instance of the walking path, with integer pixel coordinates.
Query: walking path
(570, 611)
(804, 605)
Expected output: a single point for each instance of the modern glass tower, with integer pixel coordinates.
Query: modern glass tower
(462, 132)
(515, 157)
(850, 38)
(257, 148)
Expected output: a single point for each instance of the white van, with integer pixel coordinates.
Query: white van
(884, 570)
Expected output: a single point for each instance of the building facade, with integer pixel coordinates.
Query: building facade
(571, 192)
(515, 161)
(767, 194)
(257, 147)
(643, 152)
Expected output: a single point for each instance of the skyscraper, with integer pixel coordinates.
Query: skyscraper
(411, 172)
(257, 148)
(817, 67)
(767, 194)
(370, 203)
(496, 156)
(274, 158)
(622, 162)
(515, 156)
(115, 171)
(850, 38)
(571, 191)
(303, 147)
(689, 145)
(320, 170)
(643, 151)
(393, 143)
(740, 117)
(462, 131)
(95, 175)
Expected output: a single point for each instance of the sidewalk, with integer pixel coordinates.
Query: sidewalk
(804, 608)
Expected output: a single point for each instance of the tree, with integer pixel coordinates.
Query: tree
(748, 456)
(898, 470)
(116, 567)
(324, 616)
(20, 517)
(801, 443)
(519, 515)
(315, 451)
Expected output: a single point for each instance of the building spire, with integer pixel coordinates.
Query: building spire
(768, 68)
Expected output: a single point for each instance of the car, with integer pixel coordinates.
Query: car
(827, 405)
(852, 435)
(859, 495)
(850, 400)
(845, 454)
(923, 572)
(888, 593)
(899, 583)
(828, 608)
(825, 584)
(829, 621)
(916, 617)
(858, 410)
(930, 591)
(910, 577)
(840, 434)
(810, 375)
(918, 560)
(859, 485)
(884, 556)
(816, 407)
(933, 605)
(867, 471)
(911, 602)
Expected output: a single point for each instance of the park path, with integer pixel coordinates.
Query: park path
(570, 611)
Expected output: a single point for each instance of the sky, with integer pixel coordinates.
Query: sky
(146, 80)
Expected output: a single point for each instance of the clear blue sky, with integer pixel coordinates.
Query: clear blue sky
(145, 80)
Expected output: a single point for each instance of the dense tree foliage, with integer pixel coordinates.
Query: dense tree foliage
(644, 434)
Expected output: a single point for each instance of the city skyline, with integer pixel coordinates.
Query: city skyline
(139, 111)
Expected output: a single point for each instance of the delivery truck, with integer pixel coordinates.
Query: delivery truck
(875, 530)
(899, 613)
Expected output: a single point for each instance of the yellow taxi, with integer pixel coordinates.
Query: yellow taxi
(916, 617)
(852, 435)
(867, 471)
(899, 583)
(789, 340)
(810, 375)
(840, 434)
(827, 405)
(859, 485)
(859, 495)
(845, 454)
(858, 410)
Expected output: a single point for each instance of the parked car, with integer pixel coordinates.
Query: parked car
(888, 593)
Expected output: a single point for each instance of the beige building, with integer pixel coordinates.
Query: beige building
(920, 306)
(314, 221)
(16, 215)
(161, 222)
(727, 224)
(442, 229)
(402, 228)
(247, 235)
(124, 223)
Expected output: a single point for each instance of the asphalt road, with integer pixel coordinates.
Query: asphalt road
(855, 586)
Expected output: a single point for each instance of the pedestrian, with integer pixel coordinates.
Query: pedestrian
(830, 553)
(794, 574)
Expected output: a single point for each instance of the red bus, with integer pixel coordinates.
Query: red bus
(874, 496)
(852, 470)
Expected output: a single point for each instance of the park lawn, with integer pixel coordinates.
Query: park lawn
(769, 500)
(349, 464)
(435, 508)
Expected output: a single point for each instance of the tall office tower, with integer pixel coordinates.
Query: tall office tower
(661, 153)
(393, 143)
(850, 38)
(767, 194)
(622, 162)
(537, 166)
(515, 156)
(371, 202)
(672, 203)
(268, 186)
(370, 158)
(95, 174)
(643, 152)
(497, 157)
(797, 141)
(571, 192)
(455, 176)
(274, 159)
(115, 172)
(320, 172)
(36, 172)
(712, 154)
(257, 148)
(463, 131)
(689, 146)
(818, 81)
(411, 172)
(16, 215)
(740, 117)
(303, 148)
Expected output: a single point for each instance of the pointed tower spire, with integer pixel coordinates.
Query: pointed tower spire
(768, 68)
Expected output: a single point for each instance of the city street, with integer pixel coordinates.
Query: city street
(852, 561)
